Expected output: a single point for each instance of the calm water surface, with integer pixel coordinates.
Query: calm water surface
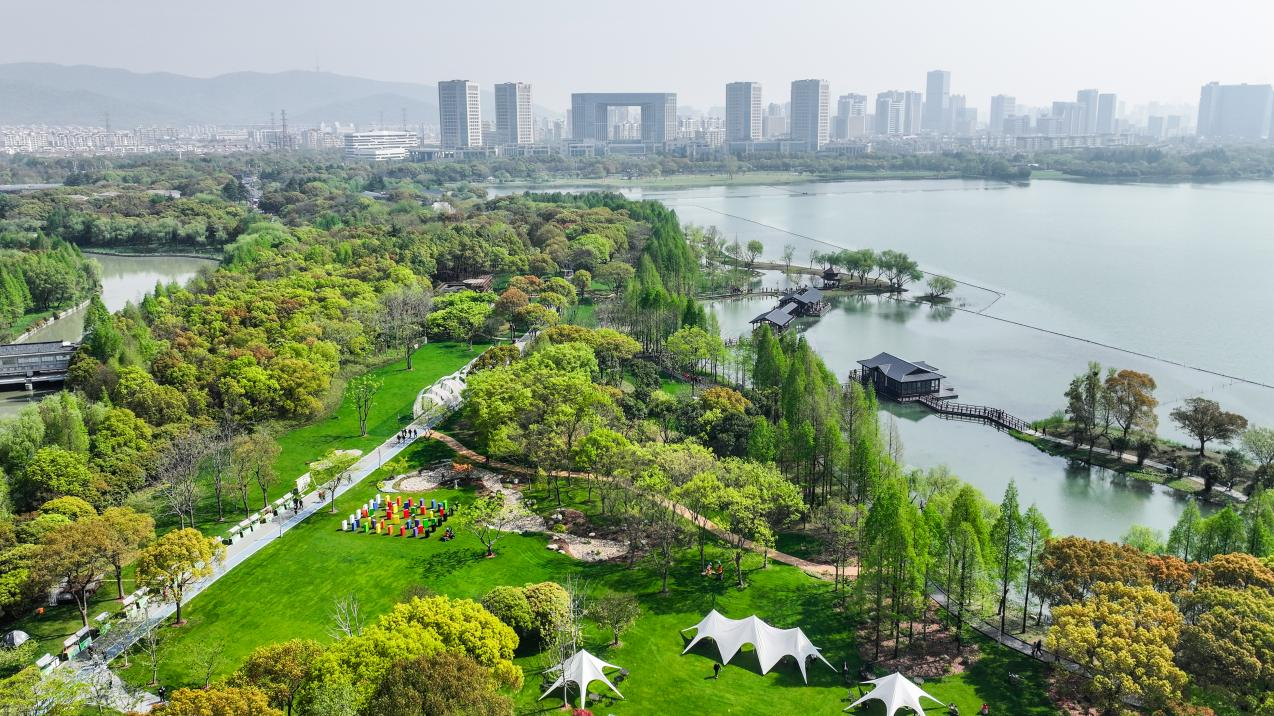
(1176, 273)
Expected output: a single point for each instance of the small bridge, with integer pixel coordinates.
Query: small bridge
(26, 364)
(738, 293)
(976, 413)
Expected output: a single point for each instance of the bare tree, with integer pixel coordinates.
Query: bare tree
(329, 472)
(491, 518)
(361, 391)
(570, 629)
(402, 317)
(151, 645)
(207, 657)
(179, 471)
(347, 617)
(220, 449)
(253, 461)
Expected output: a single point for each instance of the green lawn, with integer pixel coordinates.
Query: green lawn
(390, 412)
(299, 446)
(287, 590)
(584, 314)
(674, 387)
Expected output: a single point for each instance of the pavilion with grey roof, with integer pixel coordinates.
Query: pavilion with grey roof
(899, 379)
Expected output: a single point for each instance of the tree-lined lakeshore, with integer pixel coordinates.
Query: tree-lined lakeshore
(663, 466)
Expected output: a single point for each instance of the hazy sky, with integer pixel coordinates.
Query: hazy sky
(1145, 50)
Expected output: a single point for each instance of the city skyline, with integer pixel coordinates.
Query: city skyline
(1225, 45)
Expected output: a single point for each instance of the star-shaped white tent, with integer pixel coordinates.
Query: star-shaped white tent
(771, 643)
(583, 668)
(896, 691)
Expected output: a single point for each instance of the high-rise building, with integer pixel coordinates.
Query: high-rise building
(963, 120)
(743, 112)
(891, 113)
(851, 116)
(591, 111)
(1235, 111)
(1002, 107)
(1017, 125)
(809, 119)
(913, 121)
(937, 102)
(459, 114)
(1087, 118)
(774, 123)
(1107, 104)
(1069, 116)
(513, 122)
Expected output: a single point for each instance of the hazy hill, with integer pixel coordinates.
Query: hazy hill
(81, 94)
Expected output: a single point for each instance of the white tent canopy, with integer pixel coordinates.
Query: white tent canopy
(897, 691)
(583, 668)
(771, 644)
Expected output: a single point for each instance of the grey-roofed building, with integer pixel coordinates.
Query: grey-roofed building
(24, 363)
(777, 318)
(899, 379)
(808, 300)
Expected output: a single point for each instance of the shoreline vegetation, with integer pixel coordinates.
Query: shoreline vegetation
(176, 395)
(156, 252)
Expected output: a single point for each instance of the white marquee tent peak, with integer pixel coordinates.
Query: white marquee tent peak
(771, 643)
(583, 668)
(896, 691)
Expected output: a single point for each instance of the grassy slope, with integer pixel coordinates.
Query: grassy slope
(287, 590)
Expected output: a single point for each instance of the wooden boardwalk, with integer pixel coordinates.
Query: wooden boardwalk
(977, 413)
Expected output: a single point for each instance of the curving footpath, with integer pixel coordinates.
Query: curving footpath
(822, 571)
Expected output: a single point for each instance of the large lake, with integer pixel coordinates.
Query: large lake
(125, 279)
(1176, 273)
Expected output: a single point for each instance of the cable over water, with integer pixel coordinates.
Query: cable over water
(1000, 294)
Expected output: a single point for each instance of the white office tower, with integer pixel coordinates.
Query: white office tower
(743, 112)
(459, 114)
(891, 113)
(513, 121)
(809, 120)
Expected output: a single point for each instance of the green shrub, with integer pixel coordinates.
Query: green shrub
(549, 604)
(509, 605)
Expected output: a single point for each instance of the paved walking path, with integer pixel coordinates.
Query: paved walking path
(823, 571)
(1132, 460)
(255, 541)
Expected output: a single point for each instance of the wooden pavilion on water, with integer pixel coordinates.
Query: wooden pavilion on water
(901, 380)
(807, 301)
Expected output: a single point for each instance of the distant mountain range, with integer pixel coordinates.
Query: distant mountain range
(44, 93)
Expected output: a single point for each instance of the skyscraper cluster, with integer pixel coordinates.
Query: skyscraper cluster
(460, 114)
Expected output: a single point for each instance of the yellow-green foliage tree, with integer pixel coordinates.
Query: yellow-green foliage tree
(420, 627)
(280, 670)
(1127, 636)
(176, 561)
(218, 701)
